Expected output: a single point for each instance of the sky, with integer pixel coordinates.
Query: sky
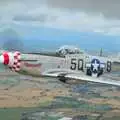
(89, 24)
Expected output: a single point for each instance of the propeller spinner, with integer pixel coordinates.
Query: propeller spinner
(12, 60)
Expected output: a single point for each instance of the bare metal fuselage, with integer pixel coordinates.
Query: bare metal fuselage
(38, 64)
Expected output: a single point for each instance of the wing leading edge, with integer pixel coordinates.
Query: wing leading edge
(83, 77)
(92, 79)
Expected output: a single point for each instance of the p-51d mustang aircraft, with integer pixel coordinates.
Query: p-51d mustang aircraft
(78, 66)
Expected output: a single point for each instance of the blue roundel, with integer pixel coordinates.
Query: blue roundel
(95, 61)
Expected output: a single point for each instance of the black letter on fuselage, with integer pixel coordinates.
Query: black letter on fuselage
(80, 64)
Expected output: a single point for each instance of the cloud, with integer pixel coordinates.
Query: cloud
(109, 8)
(79, 21)
(29, 18)
(80, 15)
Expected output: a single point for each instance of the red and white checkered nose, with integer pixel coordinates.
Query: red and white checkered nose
(11, 59)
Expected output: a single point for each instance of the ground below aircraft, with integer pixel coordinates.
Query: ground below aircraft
(71, 65)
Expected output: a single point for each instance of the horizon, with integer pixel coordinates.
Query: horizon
(51, 38)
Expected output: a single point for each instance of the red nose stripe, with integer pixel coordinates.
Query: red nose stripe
(6, 58)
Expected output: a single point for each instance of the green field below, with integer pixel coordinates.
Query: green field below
(14, 113)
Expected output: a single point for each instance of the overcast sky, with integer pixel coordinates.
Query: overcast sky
(109, 8)
(74, 20)
(81, 15)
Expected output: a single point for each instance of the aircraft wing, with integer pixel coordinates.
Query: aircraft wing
(92, 79)
(82, 77)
